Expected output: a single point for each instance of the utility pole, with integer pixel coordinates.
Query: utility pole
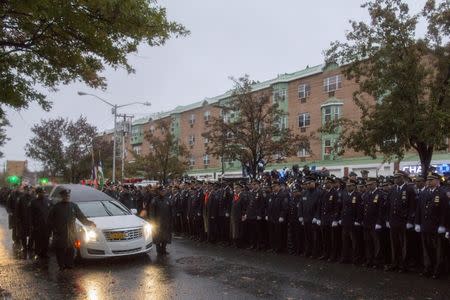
(125, 117)
(114, 142)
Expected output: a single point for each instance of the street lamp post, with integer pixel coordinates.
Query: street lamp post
(115, 107)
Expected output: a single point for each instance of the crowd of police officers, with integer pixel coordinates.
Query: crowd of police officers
(397, 223)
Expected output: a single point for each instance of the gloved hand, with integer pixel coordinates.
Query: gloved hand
(178, 214)
(441, 229)
(212, 217)
(417, 228)
(199, 214)
(258, 218)
(357, 224)
(447, 235)
(281, 220)
(340, 222)
(300, 220)
(377, 227)
(267, 218)
(318, 222)
(227, 215)
(388, 225)
(409, 226)
(244, 217)
(314, 220)
(334, 224)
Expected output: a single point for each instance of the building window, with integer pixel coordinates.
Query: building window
(282, 123)
(331, 84)
(137, 150)
(192, 119)
(328, 148)
(303, 152)
(279, 96)
(304, 91)
(191, 140)
(304, 120)
(205, 140)
(192, 161)
(206, 160)
(207, 116)
(152, 129)
(331, 113)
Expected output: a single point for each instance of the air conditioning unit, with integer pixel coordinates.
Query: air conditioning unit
(302, 129)
(331, 94)
(303, 100)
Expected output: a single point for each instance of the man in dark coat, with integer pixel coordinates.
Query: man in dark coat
(431, 223)
(39, 211)
(276, 215)
(307, 216)
(401, 209)
(253, 215)
(212, 212)
(160, 214)
(351, 206)
(11, 203)
(23, 219)
(61, 221)
(238, 207)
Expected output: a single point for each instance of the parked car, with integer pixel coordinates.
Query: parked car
(119, 231)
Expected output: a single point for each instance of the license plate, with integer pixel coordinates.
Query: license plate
(117, 235)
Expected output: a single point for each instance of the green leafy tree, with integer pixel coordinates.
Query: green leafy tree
(167, 158)
(255, 133)
(63, 147)
(408, 77)
(49, 42)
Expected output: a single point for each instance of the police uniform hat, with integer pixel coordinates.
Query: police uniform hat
(400, 173)
(330, 179)
(353, 174)
(364, 172)
(432, 176)
(419, 178)
(351, 182)
(64, 192)
(372, 180)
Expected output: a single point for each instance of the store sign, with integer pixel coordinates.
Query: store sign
(416, 169)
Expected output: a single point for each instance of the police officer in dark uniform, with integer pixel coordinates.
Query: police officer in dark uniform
(276, 214)
(401, 209)
(160, 214)
(431, 223)
(253, 215)
(306, 215)
(372, 220)
(23, 219)
(328, 217)
(11, 203)
(224, 206)
(61, 222)
(39, 211)
(351, 207)
(295, 243)
(213, 212)
(238, 208)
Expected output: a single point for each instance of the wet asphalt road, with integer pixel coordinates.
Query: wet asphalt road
(201, 271)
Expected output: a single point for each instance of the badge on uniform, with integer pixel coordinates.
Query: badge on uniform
(436, 199)
(354, 200)
(376, 199)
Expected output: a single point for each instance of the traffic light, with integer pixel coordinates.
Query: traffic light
(43, 181)
(13, 180)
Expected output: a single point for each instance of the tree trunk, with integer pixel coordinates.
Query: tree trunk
(426, 154)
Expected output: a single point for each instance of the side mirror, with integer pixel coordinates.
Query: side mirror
(133, 211)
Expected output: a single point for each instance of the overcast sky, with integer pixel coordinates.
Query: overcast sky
(261, 38)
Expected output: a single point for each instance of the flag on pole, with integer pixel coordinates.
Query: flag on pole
(101, 177)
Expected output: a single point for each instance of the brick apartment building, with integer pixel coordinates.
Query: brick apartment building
(310, 97)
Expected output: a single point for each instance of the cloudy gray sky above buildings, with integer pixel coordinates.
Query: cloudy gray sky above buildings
(260, 38)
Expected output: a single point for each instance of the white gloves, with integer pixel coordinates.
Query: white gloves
(388, 225)
(267, 218)
(417, 228)
(227, 215)
(318, 222)
(357, 224)
(334, 224)
(340, 222)
(258, 218)
(300, 220)
(199, 214)
(409, 226)
(377, 227)
(447, 235)
(314, 221)
(441, 229)
(281, 220)
(244, 217)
